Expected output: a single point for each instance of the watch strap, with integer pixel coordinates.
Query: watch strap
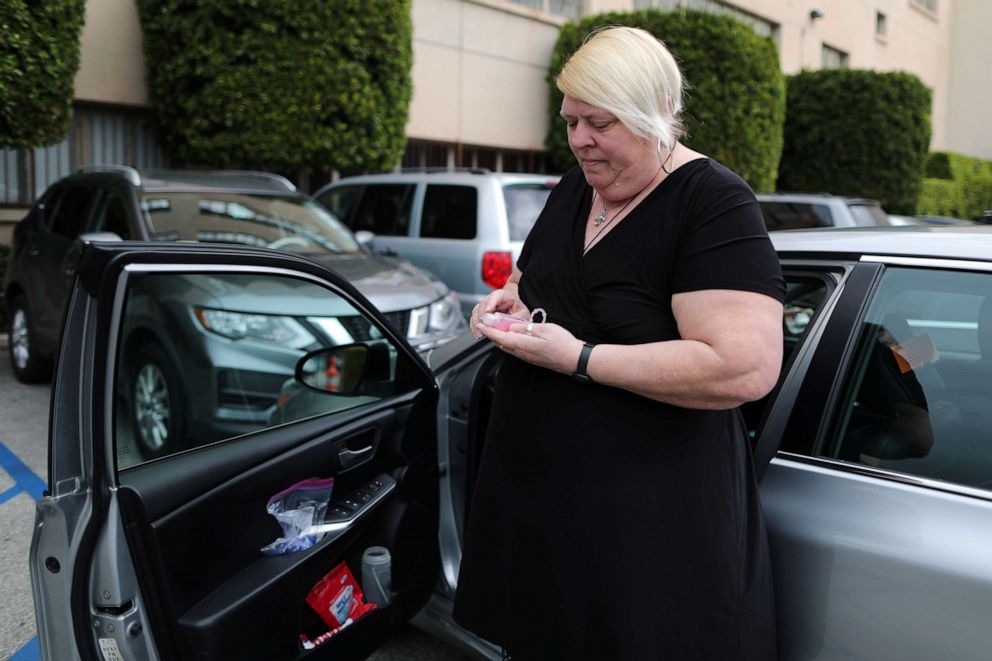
(580, 373)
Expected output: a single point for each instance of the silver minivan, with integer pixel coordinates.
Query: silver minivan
(465, 227)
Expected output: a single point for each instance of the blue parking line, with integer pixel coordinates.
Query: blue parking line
(23, 477)
(30, 652)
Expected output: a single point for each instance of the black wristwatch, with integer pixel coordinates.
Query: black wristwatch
(580, 373)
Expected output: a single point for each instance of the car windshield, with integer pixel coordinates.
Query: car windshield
(868, 215)
(795, 215)
(291, 223)
(523, 205)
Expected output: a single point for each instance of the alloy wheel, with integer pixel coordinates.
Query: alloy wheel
(151, 406)
(19, 342)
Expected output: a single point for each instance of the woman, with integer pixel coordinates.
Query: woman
(616, 513)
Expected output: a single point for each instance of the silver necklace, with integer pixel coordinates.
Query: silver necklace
(603, 221)
(604, 214)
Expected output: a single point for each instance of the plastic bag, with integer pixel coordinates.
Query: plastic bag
(296, 509)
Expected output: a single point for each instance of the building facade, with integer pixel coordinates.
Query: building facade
(480, 69)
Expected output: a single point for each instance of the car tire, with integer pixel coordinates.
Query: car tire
(29, 365)
(156, 403)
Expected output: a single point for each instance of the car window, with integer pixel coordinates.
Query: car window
(285, 222)
(111, 214)
(340, 201)
(524, 203)
(208, 357)
(449, 212)
(795, 215)
(384, 209)
(915, 398)
(804, 296)
(71, 212)
(869, 215)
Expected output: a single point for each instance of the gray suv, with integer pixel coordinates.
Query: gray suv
(465, 227)
(790, 211)
(240, 389)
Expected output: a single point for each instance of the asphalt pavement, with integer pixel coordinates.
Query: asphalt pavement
(24, 412)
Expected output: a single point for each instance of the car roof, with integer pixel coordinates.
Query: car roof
(969, 242)
(813, 197)
(234, 180)
(453, 176)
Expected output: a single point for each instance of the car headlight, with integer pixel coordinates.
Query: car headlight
(263, 327)
(445, 314)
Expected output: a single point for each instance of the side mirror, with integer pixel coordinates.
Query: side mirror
(365, 239)
(342, 370)
(90, 237)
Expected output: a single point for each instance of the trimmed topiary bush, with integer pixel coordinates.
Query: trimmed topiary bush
(735, 101)
(39, 57)
(280, 84)
(854, 132)
(964, 190)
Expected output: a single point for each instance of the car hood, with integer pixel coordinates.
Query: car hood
(390, 284)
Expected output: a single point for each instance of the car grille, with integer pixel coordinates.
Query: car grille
(361, 329)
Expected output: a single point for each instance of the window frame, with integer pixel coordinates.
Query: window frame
(831, 363)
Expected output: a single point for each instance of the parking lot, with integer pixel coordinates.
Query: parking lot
(23, 467)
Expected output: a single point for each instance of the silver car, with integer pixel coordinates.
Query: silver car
(465, 227)
(875, 454)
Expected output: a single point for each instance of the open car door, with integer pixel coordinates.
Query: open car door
(178, 410)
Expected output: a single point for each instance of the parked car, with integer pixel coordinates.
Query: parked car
(787, 211)
(244, 208)
(465, 227)
(874, 453)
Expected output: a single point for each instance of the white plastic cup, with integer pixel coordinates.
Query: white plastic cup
(377, 582)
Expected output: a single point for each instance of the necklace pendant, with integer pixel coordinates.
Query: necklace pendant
(600, 219)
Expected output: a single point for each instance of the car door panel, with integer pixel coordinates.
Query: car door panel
(193, 521)
(869, 561)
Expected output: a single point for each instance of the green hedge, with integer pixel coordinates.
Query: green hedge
(854, 132)
(39, 57)
(956, 185)
(735, 105)
(280, 84)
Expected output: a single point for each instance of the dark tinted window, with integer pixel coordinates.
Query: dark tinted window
(111, 214)
(795, 215)
(449, 212)
(916, 396)
(340, 202)
(70, 215)
(384, 209)
(523, 205)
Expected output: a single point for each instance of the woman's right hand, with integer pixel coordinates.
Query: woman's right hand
(503, 300)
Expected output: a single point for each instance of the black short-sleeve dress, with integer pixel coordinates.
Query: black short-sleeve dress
(605, 525)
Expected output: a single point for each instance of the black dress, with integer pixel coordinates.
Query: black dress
(605, 525)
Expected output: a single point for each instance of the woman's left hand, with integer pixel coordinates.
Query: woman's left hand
(546, 345)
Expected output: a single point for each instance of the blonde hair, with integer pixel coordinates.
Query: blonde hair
(630, 73)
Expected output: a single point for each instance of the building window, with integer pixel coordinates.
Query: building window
(929, 5)
(431, 155)
(881, 28)
(833, 58)
(762, 26)
(98, 135)
(563, 8)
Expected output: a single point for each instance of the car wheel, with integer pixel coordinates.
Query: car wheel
(29, 365)
(156, 403)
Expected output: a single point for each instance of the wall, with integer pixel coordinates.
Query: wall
(970, 98)
(112, 65)
(479, 73)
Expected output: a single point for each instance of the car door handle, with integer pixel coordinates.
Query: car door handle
(349, 457)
